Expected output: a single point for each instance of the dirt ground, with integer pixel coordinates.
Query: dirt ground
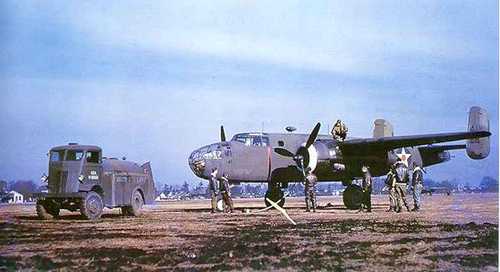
(451, 233)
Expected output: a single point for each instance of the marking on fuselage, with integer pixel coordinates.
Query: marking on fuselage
(403, 156)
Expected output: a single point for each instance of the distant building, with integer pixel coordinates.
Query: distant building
(15, 197)
(162, 196)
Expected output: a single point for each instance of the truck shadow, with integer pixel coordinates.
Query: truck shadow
(65, 217)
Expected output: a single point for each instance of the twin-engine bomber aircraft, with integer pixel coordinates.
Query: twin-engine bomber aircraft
(280, 158)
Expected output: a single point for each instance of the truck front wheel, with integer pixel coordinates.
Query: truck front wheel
(136, 204)
(91, 206)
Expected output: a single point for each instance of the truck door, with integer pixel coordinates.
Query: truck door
(93, 167)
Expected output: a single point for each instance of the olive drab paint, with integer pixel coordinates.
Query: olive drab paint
(77, 170)
(280, 158)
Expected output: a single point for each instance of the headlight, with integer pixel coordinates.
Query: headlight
(81, 177)
(44, 178)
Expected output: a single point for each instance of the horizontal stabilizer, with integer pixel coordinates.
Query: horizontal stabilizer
(439, 148)
(370, 145)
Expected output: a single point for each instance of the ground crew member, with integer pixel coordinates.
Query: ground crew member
(339, 131)
(226, 193)
(417, 186)
(390, 182)
(367, 190)
(402, 178)
(212, 187)
(310, 190)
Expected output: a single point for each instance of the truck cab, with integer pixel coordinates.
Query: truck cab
(81, 179)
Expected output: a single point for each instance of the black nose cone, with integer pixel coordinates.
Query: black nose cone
(197, 163)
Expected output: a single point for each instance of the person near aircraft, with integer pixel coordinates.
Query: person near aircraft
(390, 183)
(310, 190)
(402, 178)
(212, 187)
(366, 203)
(339, 131)
(417, 186)
(226, 193)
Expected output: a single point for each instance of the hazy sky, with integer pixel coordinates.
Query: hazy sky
(155, 80)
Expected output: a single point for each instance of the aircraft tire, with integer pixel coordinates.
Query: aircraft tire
(275, 195)
(352, 197)
(136, 204)
(91, 206)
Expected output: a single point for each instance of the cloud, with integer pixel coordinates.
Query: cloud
(350, 38)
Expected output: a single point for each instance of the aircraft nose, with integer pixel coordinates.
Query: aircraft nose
(197, 163)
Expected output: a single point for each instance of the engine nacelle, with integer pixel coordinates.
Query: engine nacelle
(478, 148)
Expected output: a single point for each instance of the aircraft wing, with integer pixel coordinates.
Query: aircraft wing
(382, 144)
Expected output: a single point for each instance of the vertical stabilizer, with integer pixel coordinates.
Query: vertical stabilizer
(382, 128)
(478, 148)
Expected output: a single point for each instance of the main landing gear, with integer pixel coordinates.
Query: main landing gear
(352, 196)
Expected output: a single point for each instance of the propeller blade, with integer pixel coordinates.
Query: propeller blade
(313, 135)
(222, 134)
(283, 152)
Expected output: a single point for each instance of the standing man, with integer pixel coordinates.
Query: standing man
(339, 131)
(212, 187)
(390, 182)
(226, 193)
(310, 190)
(417, 185)
(367, 190)
(402, 179)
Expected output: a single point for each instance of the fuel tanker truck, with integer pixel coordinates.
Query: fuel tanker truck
(81, 179)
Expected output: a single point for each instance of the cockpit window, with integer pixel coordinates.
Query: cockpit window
(252, 140)
(57, 155)
(92, 156)
(213, 147)
(74, 155)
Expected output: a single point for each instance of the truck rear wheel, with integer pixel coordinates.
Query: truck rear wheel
(136, 204)
(46, 209)
(41, 211)
(91, 206)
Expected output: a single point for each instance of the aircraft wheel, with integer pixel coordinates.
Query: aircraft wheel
(91, 206)
(41, 211)
(137, 202)
(275, 195)
(352, 197)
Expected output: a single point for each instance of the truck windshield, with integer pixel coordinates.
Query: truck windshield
(57, 155)
(74, 155)
(92, 156)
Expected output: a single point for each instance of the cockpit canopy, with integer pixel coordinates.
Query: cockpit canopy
(252, 139)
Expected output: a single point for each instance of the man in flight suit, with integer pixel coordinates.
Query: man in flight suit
(226, 193)
(367, 190)
(339, 131)
(402, 178)
(212, 187)
(390, 182)
(417, 186)
(310, 190)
